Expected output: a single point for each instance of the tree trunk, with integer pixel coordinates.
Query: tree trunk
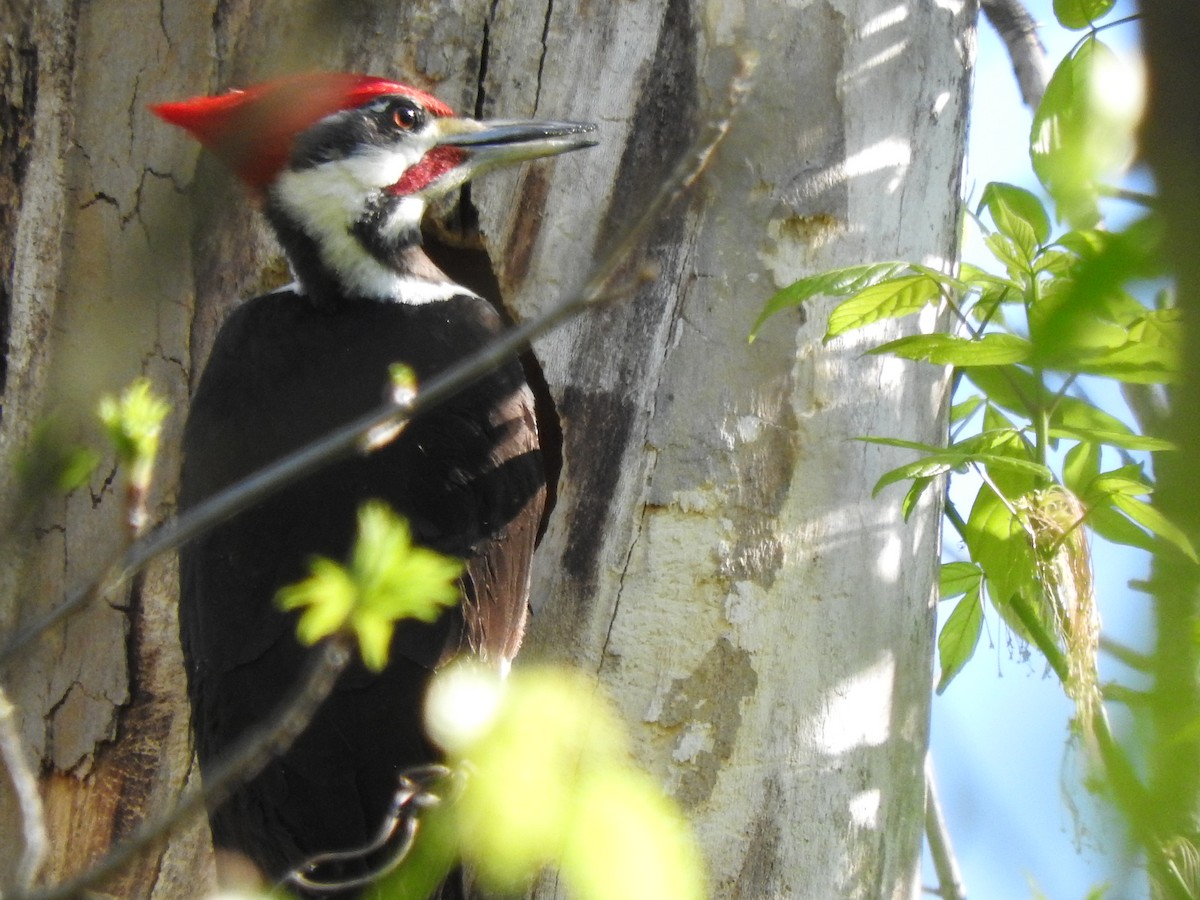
(716, 557)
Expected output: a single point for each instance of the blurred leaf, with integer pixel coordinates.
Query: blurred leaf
(889, 299)
(1080, 14)
(1125, 480)
(1073, 142)
(1124, 440)
(993, 349)
(133, 424)
(1058, 263)
(957, 578)
(1115, 528)
(1080, 466)
(1155, 522)
(52, 463)
(552, 739)
(388, 579)
(959, 636)
(834, 283)
(1108, 334)
(1013, 388)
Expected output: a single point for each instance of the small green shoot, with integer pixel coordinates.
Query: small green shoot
(388, 578)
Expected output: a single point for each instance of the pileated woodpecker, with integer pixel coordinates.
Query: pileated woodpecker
(344, 166)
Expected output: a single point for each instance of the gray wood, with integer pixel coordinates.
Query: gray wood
(715, 557)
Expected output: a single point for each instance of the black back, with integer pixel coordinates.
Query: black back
(468, 476)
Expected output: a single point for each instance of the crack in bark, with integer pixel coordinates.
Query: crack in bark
(634, 538)
(537, 94)
(98, 498)
(484, 48)
(101, 197)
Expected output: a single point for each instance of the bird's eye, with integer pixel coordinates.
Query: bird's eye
(407, 116)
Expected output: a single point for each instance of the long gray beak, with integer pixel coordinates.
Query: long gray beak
(502, 141)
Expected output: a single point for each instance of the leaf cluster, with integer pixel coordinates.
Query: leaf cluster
(1055, 305)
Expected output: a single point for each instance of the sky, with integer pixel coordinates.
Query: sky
(1006, 775)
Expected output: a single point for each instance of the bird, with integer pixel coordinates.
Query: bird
(344, 167)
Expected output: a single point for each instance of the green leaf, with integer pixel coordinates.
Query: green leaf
(1124, 440)
(548, 735)
(1018, 214)
(833, 283)
(1112, 336)
(975, 277)
(52, 463)
(927, 468)
(1105, 262)
(909, 505)
(1058, 263)
(957, 578)
(1116, 529)
(896, 297)
(901, 443)
(940, 463)
(1080, 466)
(1126, 480)
(989, 439)
(1008, 252)
(1013, 388)
(964, 409)
(994, 418)
(1080, 14)
(959, 637)
(133, 424)
(993, 349)
(1075, 140)
(388, 579)
(1155, 522)
(999, 545)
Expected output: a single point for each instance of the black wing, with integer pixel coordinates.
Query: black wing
(468, 476)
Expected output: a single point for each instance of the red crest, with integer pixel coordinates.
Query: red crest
(252, 130)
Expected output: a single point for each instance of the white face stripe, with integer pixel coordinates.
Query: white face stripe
(327, 199)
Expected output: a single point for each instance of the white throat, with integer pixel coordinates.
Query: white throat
(326, 200)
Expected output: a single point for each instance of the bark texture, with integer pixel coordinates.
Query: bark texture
(715, 558)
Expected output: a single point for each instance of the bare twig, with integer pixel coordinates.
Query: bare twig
(246, 760)
(1018, 30)
(29, 801)
(393, 413)
(950, 882)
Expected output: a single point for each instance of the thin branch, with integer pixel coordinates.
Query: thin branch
(950, 881)
(245, 761)
(1130, 657)
(29, 801)
(1149, 201)
(394, 413)
(1018, 30)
